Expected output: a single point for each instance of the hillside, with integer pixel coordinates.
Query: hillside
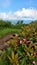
(18, 43)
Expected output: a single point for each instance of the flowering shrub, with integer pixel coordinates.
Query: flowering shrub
(22, 49)
(29, 32)
(21, 52)
(24, 52)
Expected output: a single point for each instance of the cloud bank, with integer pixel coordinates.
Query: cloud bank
(23, 14)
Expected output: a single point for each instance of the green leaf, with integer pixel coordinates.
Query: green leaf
(23, 61)
(19, 52)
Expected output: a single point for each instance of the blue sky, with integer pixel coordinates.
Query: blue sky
(18, 9)
(14, 5)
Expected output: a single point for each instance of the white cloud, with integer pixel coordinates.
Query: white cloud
(24, 14)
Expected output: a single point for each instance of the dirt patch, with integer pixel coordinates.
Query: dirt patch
(3, 41)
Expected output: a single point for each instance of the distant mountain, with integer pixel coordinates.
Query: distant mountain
(15, 21)
(25, 21)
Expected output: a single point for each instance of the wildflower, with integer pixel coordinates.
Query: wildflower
(34, 62)
(28, 42)
(24, 40)
(17, 41)
(35, 54)
(20, 41)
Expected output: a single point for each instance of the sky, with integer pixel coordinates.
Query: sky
(18, 9)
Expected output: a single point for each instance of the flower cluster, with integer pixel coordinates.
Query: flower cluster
(22, 51)
(26, 49)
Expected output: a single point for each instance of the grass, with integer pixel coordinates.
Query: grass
(6, 31)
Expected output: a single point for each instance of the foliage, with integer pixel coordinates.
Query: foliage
(20, 52)
(30, 31)
(22, 48)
